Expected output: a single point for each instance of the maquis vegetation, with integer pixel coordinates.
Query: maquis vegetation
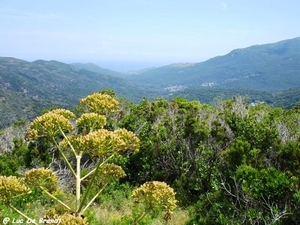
(74, 141)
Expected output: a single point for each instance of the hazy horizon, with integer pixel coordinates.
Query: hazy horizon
(137, 34)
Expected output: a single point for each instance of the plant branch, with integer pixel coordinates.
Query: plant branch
(91, 182)
(92, 171)
(64, 157)
(93, 199)
(52, 196)
(78, 181)
(142, 216)
(22, 214)
(89, 187)
(71, 146)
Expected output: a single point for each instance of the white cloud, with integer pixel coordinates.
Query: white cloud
(224, 5)
(17, 14)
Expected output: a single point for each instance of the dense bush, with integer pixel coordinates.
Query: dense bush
(231, 163)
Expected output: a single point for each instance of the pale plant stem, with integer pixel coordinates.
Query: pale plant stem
(64, 157)
(22, 214)
(52, 196)
(88, 174)
(78, 181)
(91, 182)
(78, 169)
(69, 143)
(88, 188)
(93, 199)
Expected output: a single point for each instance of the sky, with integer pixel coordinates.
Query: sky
(126, 35)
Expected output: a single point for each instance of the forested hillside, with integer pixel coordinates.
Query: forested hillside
(263, 73)
(97, 69)
(270, 67)
(231, 163)
(283, 99)
(27, 88)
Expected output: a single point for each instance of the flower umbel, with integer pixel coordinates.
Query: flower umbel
(41, 177)
(11, 187)
(50, 123)
(90, 121)
(156, 194)
(100, 103)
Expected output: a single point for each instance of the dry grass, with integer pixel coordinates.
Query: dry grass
(107, 212)
(179, 217)
(108, 216)
(112, 211)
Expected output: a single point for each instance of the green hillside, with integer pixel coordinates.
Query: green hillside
(214, 95)
(284, 99)
(270, 67)
(26, 88)
(97, 69)
(268, 73)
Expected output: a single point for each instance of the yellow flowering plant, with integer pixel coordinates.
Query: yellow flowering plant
(42, 178)
(10, 188)
(72, 138)
(51, 123)
(155, 195)
(99, 103)
(90, 121)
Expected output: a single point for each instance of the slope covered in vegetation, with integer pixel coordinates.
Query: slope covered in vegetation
(26, 88)
(269, 67)
(231, 163)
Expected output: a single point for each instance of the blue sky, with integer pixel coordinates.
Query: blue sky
(135, 34)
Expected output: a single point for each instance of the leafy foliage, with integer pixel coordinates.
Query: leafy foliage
(233, 160)
(56, 126)
(232, 163)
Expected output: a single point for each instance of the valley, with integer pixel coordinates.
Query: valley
(269, 73)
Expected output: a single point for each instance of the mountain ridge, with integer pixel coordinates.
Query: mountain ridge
(233, 69)
(26, 88)
(98, 69)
